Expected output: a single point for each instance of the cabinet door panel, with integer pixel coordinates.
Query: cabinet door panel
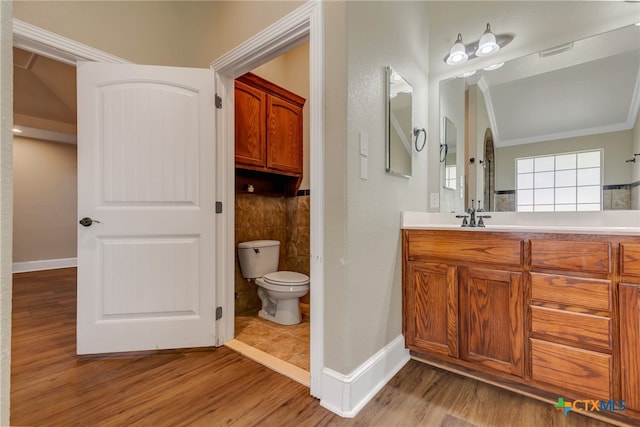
(432, 310)
(630, 343)
(284, 135)
(491, 309)
(250, 125)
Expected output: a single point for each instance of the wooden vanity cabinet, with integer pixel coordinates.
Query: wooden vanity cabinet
(458, 312)
(571, 336)
(629, 306)
(547, 314)
(268, 127)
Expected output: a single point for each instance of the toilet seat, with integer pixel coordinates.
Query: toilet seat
(286, 278)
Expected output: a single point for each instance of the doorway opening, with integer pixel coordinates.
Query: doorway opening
(262, 212)
(44, 162)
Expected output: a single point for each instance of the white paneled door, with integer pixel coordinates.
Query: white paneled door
(146, 191)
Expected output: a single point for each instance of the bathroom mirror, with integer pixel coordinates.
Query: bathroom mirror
(580, 96)
(398, 124)
(448, 152)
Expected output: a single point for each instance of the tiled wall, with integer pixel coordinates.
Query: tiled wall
(272, 218)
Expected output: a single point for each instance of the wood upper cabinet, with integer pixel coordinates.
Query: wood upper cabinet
(284, 135)
(268, 127)
(491, 319)
(250, 125)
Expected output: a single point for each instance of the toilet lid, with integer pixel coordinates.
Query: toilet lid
(287, 278)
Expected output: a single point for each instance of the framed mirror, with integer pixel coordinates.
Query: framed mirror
(579, 97)
(398, 124)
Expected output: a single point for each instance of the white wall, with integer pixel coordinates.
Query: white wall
(45, 200)
(363, 307)
(6, 209)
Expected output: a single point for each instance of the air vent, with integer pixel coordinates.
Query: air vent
(556, 50)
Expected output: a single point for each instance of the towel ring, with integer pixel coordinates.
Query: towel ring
(416, 133)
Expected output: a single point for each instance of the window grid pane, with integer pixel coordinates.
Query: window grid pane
(560, 182)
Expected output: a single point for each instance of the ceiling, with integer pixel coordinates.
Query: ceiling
(45, 91)
(44, 96)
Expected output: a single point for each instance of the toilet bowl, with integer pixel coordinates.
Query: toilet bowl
(279, 291)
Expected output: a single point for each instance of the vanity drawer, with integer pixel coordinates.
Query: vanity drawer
(630, 255)
(594, 257)
(468, 248)
(592, 294)
(572, 328)
(586, 373)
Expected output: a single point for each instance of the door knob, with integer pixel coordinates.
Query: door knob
(88, 221)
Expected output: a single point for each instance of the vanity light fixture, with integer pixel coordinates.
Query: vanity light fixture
(488, 44)
(458, 52)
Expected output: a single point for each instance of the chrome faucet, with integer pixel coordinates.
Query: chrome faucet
(472, 216)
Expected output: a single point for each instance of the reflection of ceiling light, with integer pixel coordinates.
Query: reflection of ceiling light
(638, 24)
(494, 66)
(468, 74)
(488, 44)
(458, 52)
(16, 130)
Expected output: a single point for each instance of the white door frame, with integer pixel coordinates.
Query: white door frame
(303, 24)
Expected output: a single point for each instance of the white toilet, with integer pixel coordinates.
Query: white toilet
(279, 291)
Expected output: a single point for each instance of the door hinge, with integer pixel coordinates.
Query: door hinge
(218, 313)
(218, 207)
(218, 102)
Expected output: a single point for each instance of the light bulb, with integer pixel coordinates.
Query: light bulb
(487, 44)
(458, 52)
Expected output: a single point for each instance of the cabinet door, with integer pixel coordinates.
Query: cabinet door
(432, 310)
(630, 344)
(491, 316)
(250, 125)
(284, 135)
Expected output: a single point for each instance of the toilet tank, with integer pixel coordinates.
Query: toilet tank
(258, 257)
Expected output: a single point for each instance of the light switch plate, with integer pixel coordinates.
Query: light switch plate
(364, 168)
(434, 201)
(364, 144)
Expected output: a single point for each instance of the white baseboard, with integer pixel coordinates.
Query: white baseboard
(47, 264)
(346, 395)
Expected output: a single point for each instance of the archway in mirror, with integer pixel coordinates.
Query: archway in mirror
(489, 170)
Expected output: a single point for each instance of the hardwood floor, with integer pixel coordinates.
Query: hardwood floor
(51, 386)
